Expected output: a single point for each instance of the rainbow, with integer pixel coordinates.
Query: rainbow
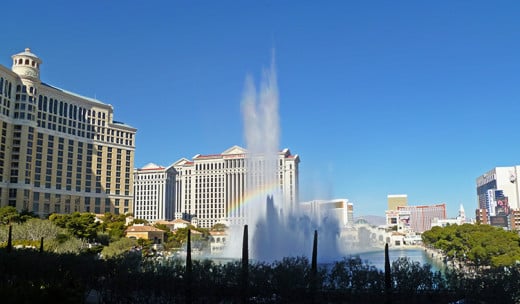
(257, 194)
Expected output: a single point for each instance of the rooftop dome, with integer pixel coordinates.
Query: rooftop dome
(27, 52)
(27, 65)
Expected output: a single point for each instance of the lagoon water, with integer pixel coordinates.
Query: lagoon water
(377, 258)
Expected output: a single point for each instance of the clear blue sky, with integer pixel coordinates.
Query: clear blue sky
(377, 97)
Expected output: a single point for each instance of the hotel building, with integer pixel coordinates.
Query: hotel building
(154, 193)
(211, 188)
(396, 200)
(420, 218)
(498, 194)
(60, 152)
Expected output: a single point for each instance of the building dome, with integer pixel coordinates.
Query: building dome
(27, 65)
(26, 52)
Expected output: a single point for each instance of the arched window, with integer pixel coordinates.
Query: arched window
(32, 63)
(27, 61)
(20, 61)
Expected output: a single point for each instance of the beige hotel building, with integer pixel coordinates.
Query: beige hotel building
(210, 188)
(60, 152)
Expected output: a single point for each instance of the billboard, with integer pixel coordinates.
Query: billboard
(404, 219)
(499, 221)
(502, 206)
(491, 202)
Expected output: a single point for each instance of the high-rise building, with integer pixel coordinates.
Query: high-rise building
(60, 152)
(154, 193)
(421, 217)
(498, 194)
(396, 200)
(212, 188)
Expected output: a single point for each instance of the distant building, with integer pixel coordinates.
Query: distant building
(498, 193)
(459, 220)
(218, 241)
(481, 216)
(400, 219)
(515, 220)
(212, 189)
(154, 193)
(396, 200)
(60, 152)
(140, 231)
(175, 224)
(421, 217)
(341, 209)
(498, 190)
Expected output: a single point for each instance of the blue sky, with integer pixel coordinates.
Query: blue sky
(377, 97)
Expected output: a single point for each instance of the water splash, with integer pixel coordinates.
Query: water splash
(277, 228)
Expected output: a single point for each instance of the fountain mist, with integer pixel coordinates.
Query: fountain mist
(277, 228)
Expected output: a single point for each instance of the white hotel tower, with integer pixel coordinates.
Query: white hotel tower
(210, 188)
(154, 192)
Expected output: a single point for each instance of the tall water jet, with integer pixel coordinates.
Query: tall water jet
(277, 227)
(261, 131)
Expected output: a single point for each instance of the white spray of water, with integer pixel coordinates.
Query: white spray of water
(276, 228)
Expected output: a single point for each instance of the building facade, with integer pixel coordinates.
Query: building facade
(154, 193)
(211, 188)
(421, 217)
(60, 152)
(498, 194)
(396, 200)
(400, 219)
(459, 220)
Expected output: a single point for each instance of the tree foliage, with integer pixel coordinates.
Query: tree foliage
(219, 227)
(199, 240)
(118, 247)
(9, 214)
(115, 225)
(32, 230)
(80, 225)
(479, 245)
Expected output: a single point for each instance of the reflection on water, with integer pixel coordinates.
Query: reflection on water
(377, 258)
